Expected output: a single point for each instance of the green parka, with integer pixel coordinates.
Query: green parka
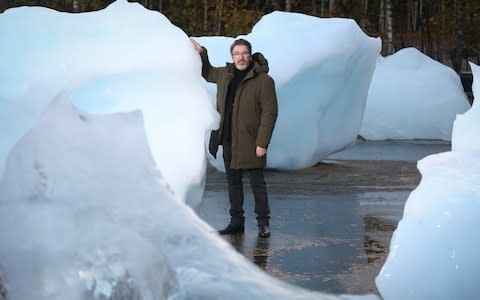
(254, 110)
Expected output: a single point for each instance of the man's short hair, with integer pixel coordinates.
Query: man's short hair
(241, 42)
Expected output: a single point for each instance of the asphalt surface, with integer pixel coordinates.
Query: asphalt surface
(332, 223)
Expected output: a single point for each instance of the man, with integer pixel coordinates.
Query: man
(247, 103)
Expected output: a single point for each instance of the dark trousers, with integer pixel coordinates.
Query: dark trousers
(235, 190)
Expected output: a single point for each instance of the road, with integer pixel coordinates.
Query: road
(331, 223)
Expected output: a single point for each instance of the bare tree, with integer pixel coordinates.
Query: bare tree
(205, 17)
(146, 4)
(456, 56)
(363, 22)
(218, 25)
(276, 5)
(381, 17)
(314, 7)
(76, 7)
(415, 16)
(389, 27)
(288, 5)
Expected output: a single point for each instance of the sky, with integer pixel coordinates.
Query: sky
(104, 126)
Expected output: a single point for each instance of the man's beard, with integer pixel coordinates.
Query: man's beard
(241, 67)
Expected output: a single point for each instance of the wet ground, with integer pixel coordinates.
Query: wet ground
(332, 223)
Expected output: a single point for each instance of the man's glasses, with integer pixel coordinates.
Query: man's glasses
(238, 54)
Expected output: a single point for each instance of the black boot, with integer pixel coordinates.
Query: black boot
(263, 230)
(232, 229)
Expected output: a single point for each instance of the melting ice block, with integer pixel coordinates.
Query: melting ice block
(121, 58)
(412, 97)
(85, 213)
(434, 252)
(322, 70)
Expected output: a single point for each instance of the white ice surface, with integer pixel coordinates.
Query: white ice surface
(322, 70)
(122, 58)
(412, 97)
(84, 213)
(434, 251)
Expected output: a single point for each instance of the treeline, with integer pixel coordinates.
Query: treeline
(446, 30)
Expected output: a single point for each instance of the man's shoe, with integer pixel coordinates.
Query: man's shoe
(232, 229)
(263, 230)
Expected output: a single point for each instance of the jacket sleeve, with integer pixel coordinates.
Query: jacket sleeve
(269, 111)
(210, 73)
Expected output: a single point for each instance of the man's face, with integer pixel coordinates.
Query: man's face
(241, 57)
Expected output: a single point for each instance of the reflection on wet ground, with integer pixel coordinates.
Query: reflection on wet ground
(331, 224)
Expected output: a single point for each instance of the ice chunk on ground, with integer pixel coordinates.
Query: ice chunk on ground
(117, 59)
(84, 212)
(433, 252)
(412, 97)
(322, 70)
